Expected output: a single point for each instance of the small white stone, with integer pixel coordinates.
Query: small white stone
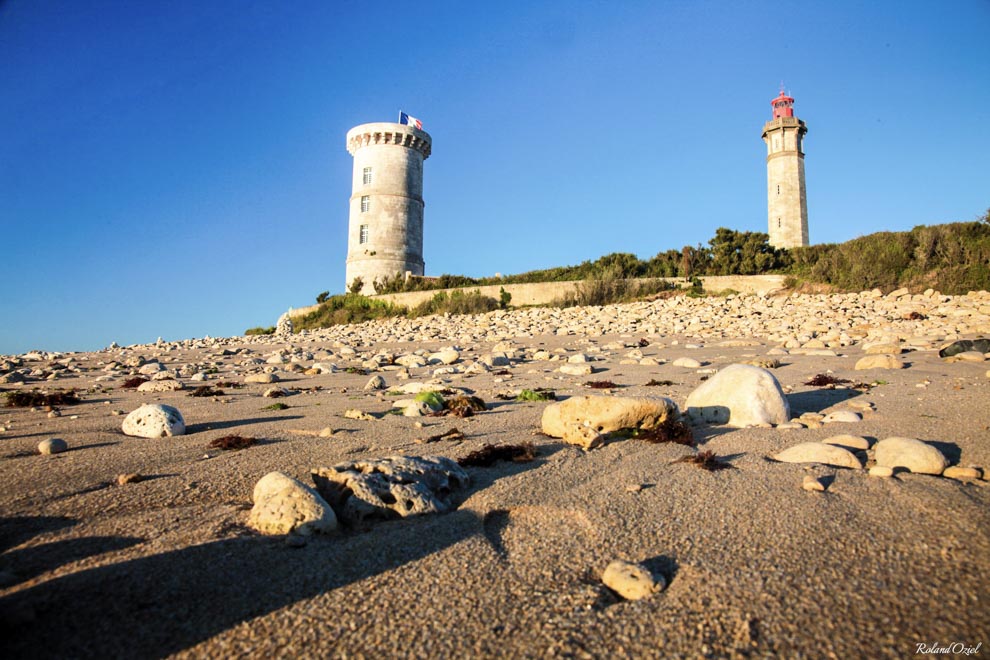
(881, 471)
(910, 453)
(631, 581)
(686, 363)
(841, 416)
(812, 483)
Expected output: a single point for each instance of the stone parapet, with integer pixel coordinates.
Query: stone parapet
(389, 133)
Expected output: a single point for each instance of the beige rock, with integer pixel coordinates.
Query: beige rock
(962, 473)
(571, 369)
(881, 471)
(967, 356)
(583, 436)
(881, 361)
(850, 441)
(892, 348)
(283, 505)
(354, 413)
(375, 383)
(910, 453)
(739, 395)
(819, 452)
(129, 478)
(631, 581)
(605, 414)
(812, 483)
(160, 386)
(261, 378)
(687, 363)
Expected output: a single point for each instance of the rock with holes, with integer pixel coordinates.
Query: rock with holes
(154, 421)
(819, 452)
(160, 386)
(915, 455)
(631, 581)
(605, 414)
(740, 395)
(283, 505)
(393, 487)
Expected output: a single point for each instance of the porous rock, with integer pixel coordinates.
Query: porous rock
(819, 452)
(879, 361)
(740, 395)
(376, 383)
(160, 386)
(631, 581)
(911, 453)
(577, 369)
(392, 487)
(605, 414)
(261, 378)
(283, 505)
(154, 420)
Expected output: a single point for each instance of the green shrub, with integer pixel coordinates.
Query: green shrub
(455, 302)
(348, 308)
(270, 330)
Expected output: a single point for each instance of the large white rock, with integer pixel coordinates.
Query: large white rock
(605, 414)
(154, 420)
(740, 395)
(283, 505)
(574, 369)
(915, 455)
(819, 452)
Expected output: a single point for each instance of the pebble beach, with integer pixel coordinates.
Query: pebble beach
(846, 514)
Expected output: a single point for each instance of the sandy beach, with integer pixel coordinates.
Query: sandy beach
(755, 565)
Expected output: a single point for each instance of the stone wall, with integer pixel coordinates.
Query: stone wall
(541, 293)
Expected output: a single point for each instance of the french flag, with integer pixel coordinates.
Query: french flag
(410, 121)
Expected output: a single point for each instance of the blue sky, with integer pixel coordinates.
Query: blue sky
(178, 169)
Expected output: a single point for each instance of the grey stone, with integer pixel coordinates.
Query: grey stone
(393, 487)
(52, 446)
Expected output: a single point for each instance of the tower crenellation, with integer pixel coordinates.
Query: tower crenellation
(787, 204)
(385, 230)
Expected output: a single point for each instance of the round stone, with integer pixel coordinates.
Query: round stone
(52, 446)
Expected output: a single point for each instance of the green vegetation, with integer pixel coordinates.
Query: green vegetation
(348, 308)
(539, 394)
(270, 330)
(952, 258)
(432, 399)
(277, 406)
(456, 302)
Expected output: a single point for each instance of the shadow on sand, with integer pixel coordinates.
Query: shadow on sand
(158, 605)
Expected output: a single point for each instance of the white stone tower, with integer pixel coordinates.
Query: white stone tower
(787, 202)
(385, 234)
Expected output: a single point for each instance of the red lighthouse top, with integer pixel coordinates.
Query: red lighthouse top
(783, 106)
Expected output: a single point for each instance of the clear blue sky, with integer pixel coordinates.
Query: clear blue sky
(178, 169)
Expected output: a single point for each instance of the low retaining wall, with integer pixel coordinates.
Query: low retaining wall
(542, 293)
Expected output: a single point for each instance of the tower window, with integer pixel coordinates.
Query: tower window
(778, 224)
(365, 203)
(778, 189)
(364, 234)
(367, 175)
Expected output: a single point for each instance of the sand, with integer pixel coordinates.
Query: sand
(755, 564)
